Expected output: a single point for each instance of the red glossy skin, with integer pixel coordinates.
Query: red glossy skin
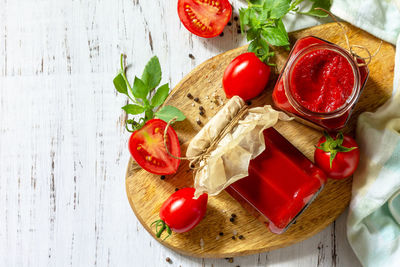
(246, 76)
(204, 18)
(181, 212)
(322, 80)
(147, 148)
(344, 164)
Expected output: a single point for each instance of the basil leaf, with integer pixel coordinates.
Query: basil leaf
(120, 84)
(139, 89)
(276, 36)
(278, 8)
(133, 109)
(160, 96)
(256, 2)
(243, 17)
(167, 113)
(151, 76)
(325, 4)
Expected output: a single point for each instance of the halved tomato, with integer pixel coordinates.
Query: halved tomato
(205, 18)
(147, 148)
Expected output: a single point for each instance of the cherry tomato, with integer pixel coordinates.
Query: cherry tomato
(205, 18)
(147, 148)
(181, 212)
(337, 157)
(246, 76)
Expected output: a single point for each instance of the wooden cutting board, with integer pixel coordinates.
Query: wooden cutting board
(146, 192)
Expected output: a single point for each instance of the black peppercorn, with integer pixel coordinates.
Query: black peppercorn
(221, 233)
(201, 113)
(233, 237)
(191, 56)
(222, 34)
(162, 177)
(233, 215)
(241, 237)
(196, 99)
(189, 95)
(176, 189)
(232, 219)
(229, 23)
(235, 18)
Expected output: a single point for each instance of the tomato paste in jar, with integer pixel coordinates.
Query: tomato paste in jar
(320, 83)
(282, 182)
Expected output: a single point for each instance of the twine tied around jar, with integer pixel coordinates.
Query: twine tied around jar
(350, 48)
(195, 161)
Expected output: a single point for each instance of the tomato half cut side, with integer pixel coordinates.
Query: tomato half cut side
(205, 18)
(147, 148)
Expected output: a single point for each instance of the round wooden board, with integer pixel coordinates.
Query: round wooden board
(146, 192)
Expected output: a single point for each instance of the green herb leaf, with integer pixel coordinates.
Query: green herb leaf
(151, 76)
(140, 90)
(167, 113)
(160, 96)
(120, 84)
(325, 4)
(278, 8)
(276, 36)
(133, 109)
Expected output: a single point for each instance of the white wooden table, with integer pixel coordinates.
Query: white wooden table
(63, 147)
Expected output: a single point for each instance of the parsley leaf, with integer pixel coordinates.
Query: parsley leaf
(262, 23)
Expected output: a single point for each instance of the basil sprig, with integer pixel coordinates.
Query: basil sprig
(262, 23)
(139, 95)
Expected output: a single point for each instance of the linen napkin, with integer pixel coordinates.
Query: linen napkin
(373, 226)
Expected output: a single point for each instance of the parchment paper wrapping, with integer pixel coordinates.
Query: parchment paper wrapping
(229, 161)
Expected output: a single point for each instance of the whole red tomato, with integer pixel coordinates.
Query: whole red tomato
(337, 156)
(246, 76)
(204, 18)
(147, 148)
(181, 212)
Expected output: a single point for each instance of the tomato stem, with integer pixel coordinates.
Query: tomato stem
(160, 223)
(333, 146)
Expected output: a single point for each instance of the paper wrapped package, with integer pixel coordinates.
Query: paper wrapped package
(235, 135)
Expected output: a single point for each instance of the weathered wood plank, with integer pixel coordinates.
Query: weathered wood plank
(62, 146)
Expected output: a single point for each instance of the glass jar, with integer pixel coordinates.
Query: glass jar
(281, 184)
(320, 84)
